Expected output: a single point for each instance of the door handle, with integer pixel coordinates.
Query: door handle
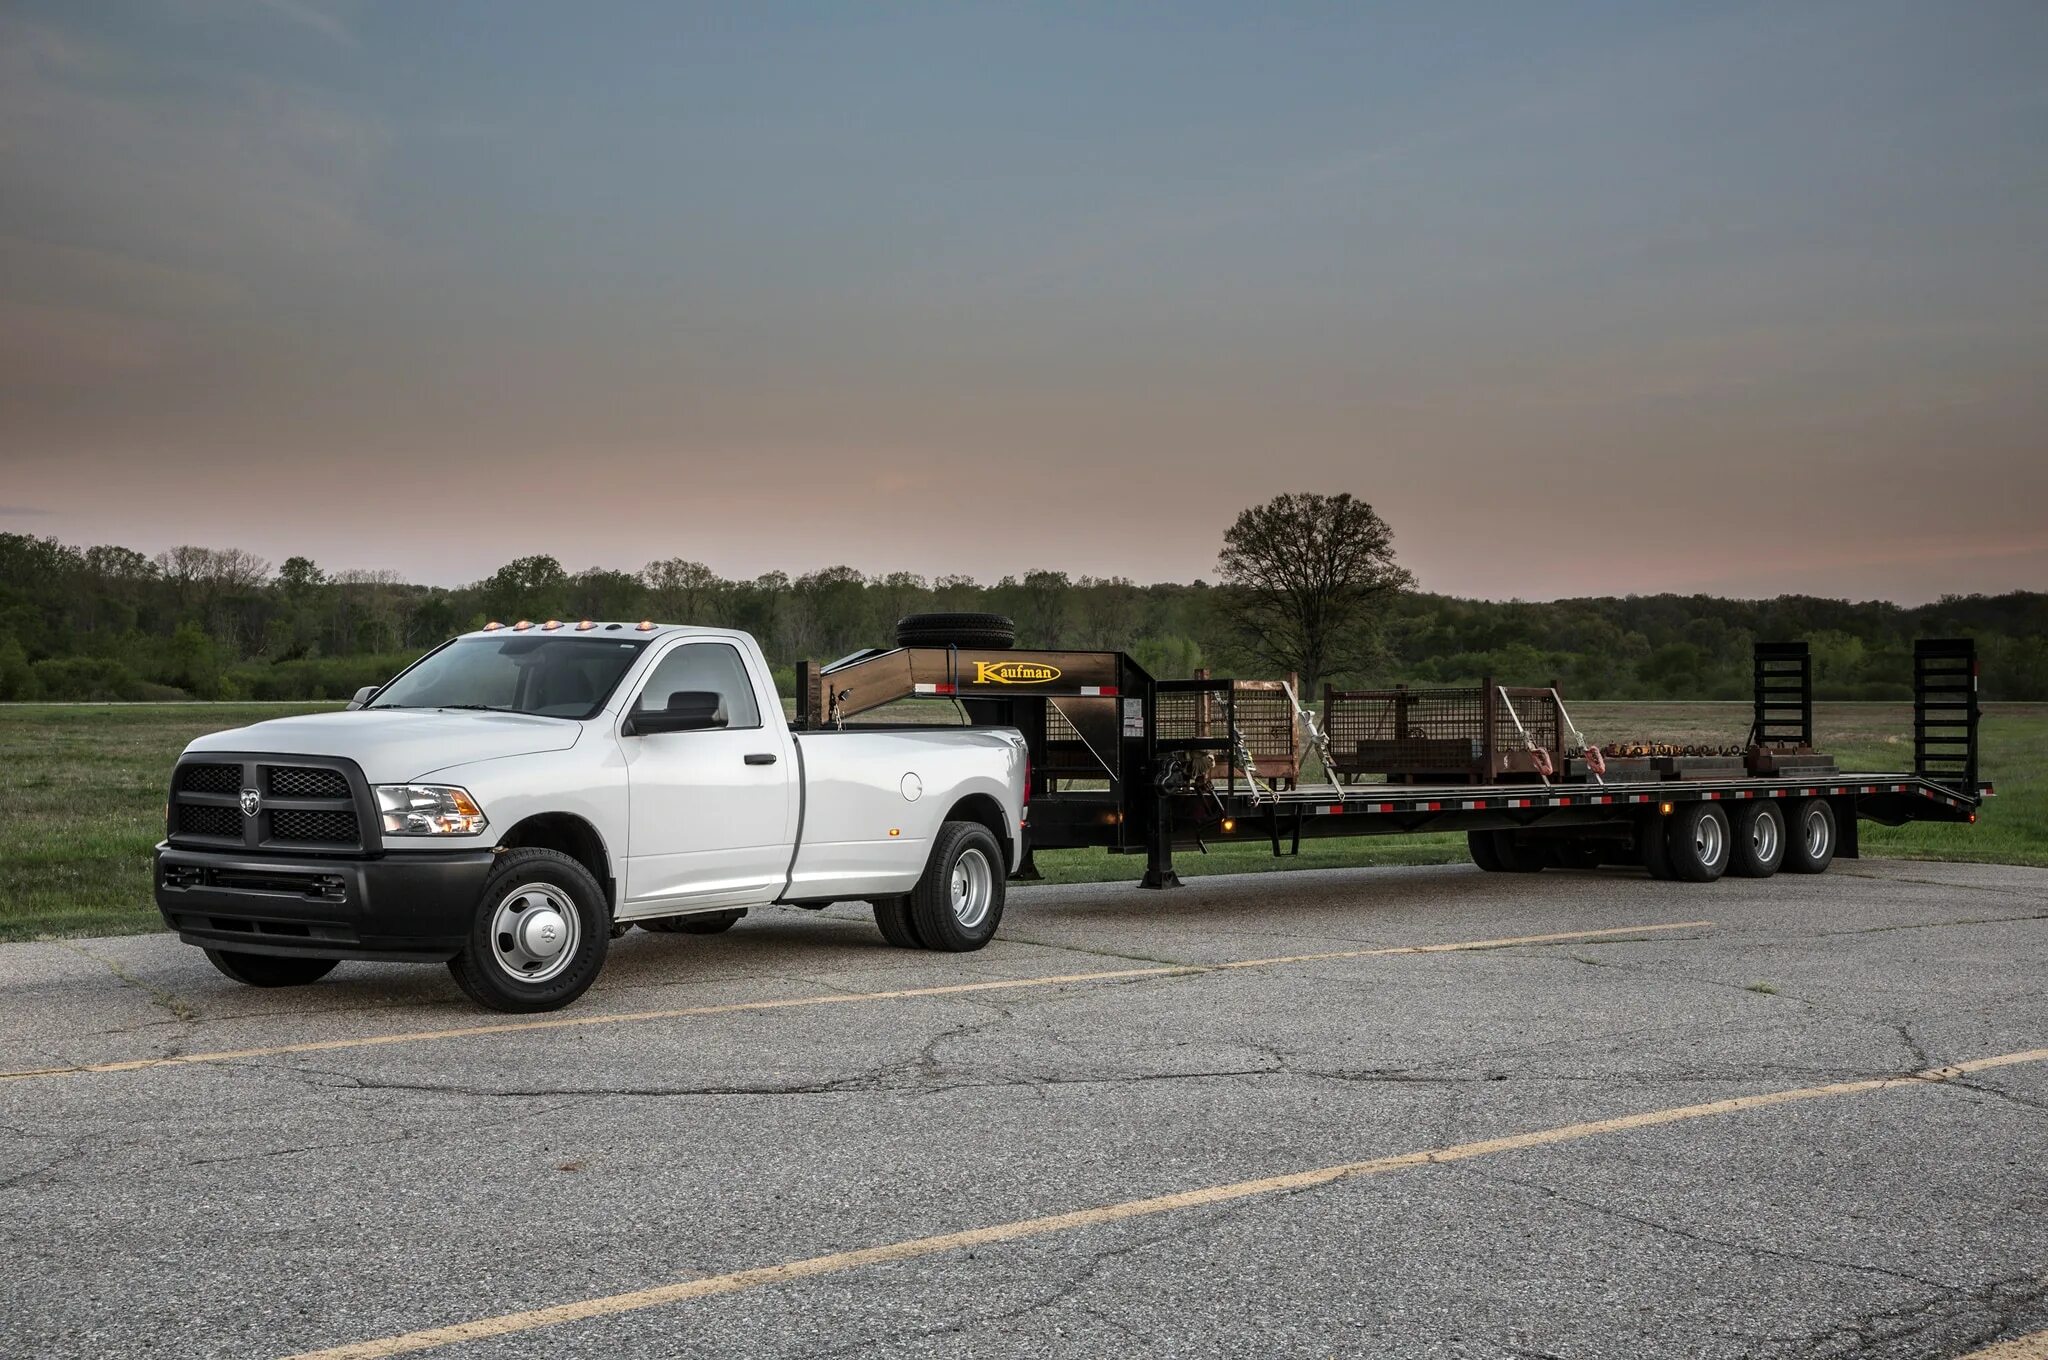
(761, 758)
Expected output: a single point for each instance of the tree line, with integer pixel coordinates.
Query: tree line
(108, 622)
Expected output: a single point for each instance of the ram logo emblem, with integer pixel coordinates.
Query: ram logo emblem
(1014, 673)
(252, 801)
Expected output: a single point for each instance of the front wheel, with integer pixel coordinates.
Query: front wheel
(958, 903)
(539, 936)
(269, 970)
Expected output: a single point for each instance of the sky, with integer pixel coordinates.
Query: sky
(1586, 298)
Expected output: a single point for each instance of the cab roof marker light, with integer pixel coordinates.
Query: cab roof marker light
(551, 625)
(644, 626)
(585, 626)
(522, 625)
(493, 626)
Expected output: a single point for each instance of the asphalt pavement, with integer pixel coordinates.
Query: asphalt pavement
(1389, 1112)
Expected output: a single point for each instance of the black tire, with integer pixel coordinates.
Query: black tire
(1759, 846)
(1516, 857)
(892, 918)
(1480, 843)
(702, 923)
(270, 970)
(939, 924)
(1810, 837)
(1650, 848)
(956, 630)
(1696, 842)
(538, 878)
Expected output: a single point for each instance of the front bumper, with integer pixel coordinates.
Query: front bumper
(415, 906)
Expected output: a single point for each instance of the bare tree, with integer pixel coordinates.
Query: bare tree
(1305, 578)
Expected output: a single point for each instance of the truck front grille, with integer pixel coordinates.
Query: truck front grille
(304, 804)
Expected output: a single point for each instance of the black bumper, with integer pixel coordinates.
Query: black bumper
(415, 906)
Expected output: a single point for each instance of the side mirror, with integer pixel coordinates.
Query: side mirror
(689, 710)
(363, 696)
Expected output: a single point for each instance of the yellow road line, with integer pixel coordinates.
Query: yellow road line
(829, 999)
(761, 1277)
(2033, 1346)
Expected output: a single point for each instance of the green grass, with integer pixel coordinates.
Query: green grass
(82, 801)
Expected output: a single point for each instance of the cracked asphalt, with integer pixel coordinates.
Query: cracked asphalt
(280, 1202)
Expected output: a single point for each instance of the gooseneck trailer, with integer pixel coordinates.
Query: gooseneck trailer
(1137, 765)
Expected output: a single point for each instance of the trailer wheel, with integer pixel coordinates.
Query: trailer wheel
(958, 903)
(1480, 843)
(269, 970)
(1696, 842)
(1810, 838)
(1759, 846)
(1651, 850)
(892, 918)
(1516, 858)
(956, 630)
(701, 923)
(539, 936)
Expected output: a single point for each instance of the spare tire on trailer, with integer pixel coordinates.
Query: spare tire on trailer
(955, 630)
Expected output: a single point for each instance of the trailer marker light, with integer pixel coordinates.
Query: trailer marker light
(1230, 824)
(1664, 808)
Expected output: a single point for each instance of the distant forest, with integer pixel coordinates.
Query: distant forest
(206, 623)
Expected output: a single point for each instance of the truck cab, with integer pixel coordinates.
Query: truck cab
(520, 795)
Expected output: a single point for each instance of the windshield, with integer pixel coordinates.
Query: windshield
(554, 677)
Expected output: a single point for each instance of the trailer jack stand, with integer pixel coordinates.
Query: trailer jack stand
(1159, 852)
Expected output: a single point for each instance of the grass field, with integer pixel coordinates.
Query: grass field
(82, 801)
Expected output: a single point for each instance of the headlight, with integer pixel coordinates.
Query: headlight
(428, 810)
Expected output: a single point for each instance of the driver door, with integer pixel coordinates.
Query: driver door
(710, 822)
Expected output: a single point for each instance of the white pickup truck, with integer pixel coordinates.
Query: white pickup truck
(519, 796)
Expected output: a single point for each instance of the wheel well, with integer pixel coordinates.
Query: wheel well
(570, 834)
(979, 807)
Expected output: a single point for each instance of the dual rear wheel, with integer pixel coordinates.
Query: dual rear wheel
(958, 903)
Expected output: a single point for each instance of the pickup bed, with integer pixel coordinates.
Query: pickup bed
(519, 796)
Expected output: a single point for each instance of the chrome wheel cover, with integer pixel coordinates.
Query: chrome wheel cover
(1816, 833)
(973, 890)
(1708, 842)
(1763, 837)
(535, 932)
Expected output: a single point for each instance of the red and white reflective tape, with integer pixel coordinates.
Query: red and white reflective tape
(932, 689)
(1105, 690)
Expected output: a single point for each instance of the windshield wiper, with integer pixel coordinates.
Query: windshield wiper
(479, 708)
(390, 705)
